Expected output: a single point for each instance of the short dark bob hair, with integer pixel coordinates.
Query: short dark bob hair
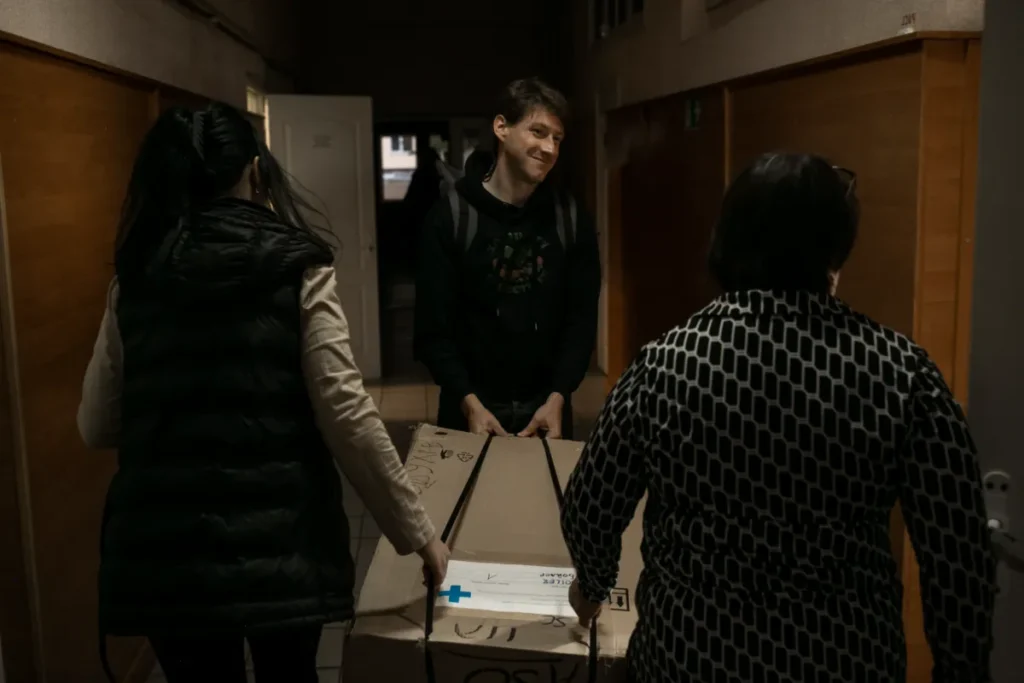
(787, 222)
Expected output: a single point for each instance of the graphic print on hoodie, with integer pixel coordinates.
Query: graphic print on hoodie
(517, 261)
(514, 315)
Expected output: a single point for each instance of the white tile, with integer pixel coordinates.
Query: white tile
(363, 566)
(329, 675)
(355, 524)
(369, 528)
(332, 642)
(352, 503)
(354, 521)
(346, 485)
(367, 548)
(354, 543)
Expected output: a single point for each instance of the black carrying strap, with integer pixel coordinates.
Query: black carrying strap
(560, 495)
(428, 626)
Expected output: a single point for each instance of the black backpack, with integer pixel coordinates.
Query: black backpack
(465, 216)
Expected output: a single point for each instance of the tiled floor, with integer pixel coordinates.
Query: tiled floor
(403, 406)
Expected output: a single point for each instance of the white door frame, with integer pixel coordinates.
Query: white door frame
(347, 124)
(995, 402)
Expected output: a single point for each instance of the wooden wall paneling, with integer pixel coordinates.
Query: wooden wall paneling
(943, 90)
(618, 358)
(727, 144)
(968, 200)
(864, 114)
(587, 168)
(154, 104)
(948, 110)
(584, 156)
(18, 607)
(173, 97)
(645, 180)
(625, 130)
(672, 190)
(68, 141)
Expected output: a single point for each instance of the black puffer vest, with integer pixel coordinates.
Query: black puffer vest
(225, 514)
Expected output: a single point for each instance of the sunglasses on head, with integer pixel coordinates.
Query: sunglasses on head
(848, 178)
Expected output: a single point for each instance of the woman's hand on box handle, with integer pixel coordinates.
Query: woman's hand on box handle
(435, 555)
(585, 610)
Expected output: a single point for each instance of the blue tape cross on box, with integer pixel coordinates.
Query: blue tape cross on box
(455, 594)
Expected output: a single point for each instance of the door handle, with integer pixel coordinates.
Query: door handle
(1007, 548)
(996, 488)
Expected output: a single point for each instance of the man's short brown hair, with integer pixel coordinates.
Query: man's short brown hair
(521, 96)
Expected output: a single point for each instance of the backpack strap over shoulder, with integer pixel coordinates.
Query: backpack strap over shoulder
(464, 218)
(565, 219)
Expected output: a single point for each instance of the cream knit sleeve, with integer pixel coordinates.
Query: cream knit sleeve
(349, 420)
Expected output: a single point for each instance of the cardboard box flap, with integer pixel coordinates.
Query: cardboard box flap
(439, 463)
(512, 515)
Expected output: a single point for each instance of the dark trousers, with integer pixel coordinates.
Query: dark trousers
(514, 416)
(285, 657)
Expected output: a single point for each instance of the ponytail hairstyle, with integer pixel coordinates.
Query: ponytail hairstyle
(188, 159)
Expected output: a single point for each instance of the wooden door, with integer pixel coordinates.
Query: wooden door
(68, 138)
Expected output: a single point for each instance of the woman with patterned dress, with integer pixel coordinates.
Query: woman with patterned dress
(773, 433)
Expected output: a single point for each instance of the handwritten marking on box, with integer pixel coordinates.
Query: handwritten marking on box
(517, 588)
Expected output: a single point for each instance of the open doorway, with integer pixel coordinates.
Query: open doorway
(407, 186)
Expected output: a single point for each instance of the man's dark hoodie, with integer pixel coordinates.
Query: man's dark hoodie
(514, 316)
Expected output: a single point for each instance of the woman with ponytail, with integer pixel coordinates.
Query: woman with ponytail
(224, 378)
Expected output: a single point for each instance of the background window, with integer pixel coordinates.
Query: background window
(397, 164)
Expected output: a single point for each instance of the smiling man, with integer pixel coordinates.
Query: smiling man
(508, 281)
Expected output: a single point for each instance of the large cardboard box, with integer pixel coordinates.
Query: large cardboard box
(502, 616)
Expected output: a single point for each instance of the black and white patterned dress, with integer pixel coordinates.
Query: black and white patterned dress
(773, 435)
